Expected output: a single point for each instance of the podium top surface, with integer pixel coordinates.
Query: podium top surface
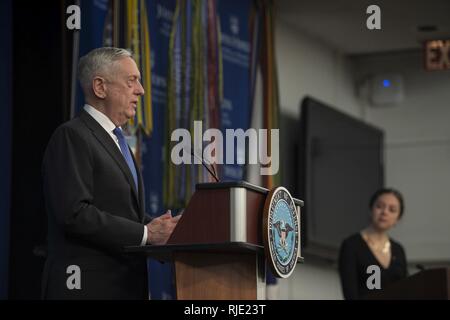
(239, 184)
(165, 252)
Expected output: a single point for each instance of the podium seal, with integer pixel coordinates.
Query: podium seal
(281, 232)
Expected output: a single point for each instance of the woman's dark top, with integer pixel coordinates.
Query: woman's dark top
(354, 258)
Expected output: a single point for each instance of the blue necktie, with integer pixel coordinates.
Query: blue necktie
(126, 153)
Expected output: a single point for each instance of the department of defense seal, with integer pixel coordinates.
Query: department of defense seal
(281, 230)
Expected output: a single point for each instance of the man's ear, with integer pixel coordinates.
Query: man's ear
(99, 87)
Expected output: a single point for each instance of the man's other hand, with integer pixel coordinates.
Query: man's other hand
(160, 229)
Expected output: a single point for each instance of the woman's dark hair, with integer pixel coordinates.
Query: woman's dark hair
(382, 191)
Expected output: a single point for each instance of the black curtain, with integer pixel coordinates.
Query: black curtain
(40, 104)
(5, 139)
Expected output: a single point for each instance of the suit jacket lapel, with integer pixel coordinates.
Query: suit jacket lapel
(104, 138)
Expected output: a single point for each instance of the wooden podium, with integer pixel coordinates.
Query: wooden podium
(428, 284)
(217, 246)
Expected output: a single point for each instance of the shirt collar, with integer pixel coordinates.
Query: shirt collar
(100, 117)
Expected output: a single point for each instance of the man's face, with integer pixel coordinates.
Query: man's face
(123, 91)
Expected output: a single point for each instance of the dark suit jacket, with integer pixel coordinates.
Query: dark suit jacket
(94, 210)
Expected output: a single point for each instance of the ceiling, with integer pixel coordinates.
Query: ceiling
(341, 24)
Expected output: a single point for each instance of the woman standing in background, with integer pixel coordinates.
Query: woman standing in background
(372, 246)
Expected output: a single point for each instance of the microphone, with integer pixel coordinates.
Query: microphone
(421, 267)
(204, 163)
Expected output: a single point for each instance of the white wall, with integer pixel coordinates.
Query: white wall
(418, 151)
(308, 67)
(311, 281)
(417, 138)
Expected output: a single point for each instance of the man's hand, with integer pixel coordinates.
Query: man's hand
(160, 229)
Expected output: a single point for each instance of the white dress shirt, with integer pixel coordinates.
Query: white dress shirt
(109, 126)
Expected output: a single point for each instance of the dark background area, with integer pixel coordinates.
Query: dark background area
(5, 141)
(38, 108)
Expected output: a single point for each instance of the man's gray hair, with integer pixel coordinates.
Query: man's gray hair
(99, 62)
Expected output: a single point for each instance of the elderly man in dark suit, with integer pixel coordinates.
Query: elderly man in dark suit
(94, 191)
